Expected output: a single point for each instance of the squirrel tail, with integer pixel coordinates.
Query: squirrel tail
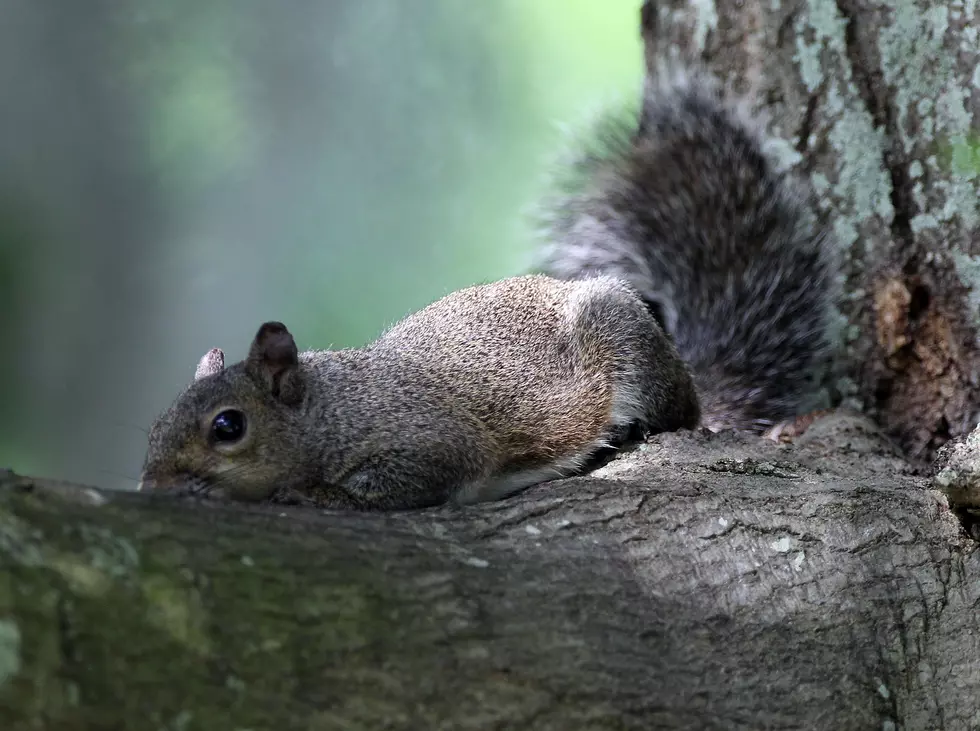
(678, 196)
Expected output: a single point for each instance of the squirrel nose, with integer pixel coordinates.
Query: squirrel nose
(178, 484)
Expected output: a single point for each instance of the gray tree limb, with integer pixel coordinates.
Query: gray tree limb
(702, 582)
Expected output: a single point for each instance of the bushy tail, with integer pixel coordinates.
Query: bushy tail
(678, 197)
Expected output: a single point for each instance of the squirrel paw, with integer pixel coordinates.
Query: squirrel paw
(787, 430)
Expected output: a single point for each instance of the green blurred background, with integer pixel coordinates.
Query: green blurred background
(174, 173)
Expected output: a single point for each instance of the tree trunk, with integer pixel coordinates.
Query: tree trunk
(701, 582)
(878, 103)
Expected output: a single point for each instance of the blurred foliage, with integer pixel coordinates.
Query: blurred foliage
(195, 168)
(16, 239)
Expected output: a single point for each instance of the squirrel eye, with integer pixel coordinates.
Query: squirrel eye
(228, 426)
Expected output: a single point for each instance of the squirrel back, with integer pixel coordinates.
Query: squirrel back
(680, 199)
(527, 354)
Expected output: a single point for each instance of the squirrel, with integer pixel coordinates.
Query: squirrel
(679, 199)
(681, 284)
(489, 390)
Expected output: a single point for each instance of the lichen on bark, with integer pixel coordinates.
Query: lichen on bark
(879, 100)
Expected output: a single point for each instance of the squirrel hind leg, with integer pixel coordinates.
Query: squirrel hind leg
(652, 389)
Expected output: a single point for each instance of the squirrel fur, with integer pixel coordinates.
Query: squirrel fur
(680, 200)
(489, 390)
(682, 284)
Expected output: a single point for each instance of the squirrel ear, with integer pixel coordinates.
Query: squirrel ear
(274, 362)
(212, 362)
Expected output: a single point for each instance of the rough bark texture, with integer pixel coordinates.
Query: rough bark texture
(701, 582)
(877, 102)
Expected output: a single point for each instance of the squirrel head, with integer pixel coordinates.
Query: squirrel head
(233, 432)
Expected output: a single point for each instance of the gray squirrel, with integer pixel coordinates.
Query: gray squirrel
(489, 390)
(681, 285)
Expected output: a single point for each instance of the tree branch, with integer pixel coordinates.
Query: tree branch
(703, 581)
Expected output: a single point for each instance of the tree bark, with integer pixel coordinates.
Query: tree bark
(878, 103)
(700, 582)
